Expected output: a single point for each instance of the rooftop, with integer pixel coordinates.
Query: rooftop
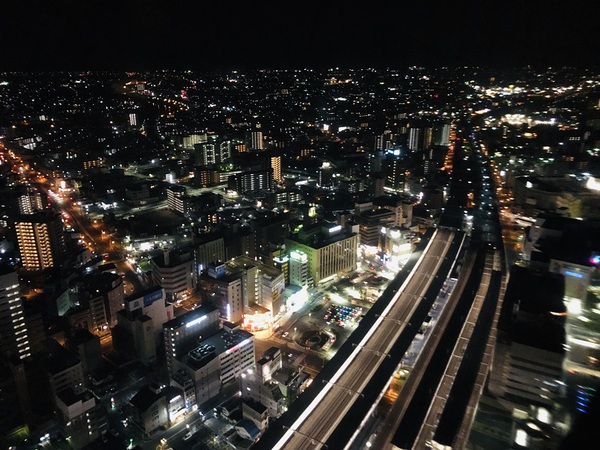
(145, 398)
(215, 345)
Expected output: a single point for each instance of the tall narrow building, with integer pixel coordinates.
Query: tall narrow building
(276, 166)
(256, 140)
(14, 342)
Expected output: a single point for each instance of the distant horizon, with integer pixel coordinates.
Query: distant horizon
(153, 35)
(303, 68)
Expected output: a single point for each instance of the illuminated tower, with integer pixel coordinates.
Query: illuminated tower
(41, 240)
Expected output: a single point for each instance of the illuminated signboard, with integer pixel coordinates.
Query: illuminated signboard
(195, 322)
(152, 297)
(574, 274)
(335, 229)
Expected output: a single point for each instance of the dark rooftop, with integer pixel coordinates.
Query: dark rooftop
(145, 398)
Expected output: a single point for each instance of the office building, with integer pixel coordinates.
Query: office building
(224, 291)
(86, 346)
(175, 272)
(330, 250)
(210, 248)
(298, 267)
(139, 325)
(218, 360)
(393, 203)
(371, 224)
(41, 240)
(181, 334)
(566, 196)
(102, 295)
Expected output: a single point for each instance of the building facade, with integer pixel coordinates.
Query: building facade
(14, 339)
(329, 249)
(175, 272)
(41, 240)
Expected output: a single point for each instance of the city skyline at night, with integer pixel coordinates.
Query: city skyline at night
(299, 225)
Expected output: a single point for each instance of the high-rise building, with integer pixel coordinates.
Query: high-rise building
(41, 240)
(276, 166)
(132, 120)
(441, 134)
(394, 172)
(256, 140)
(427, 137)
(414, 139)
(281, 262)
(14, 340)
(212, 152)
(31, 201)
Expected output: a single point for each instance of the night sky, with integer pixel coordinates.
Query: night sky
(153, 34)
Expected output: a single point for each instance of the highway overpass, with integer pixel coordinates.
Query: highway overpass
(354, 379)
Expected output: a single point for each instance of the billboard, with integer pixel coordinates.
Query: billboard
(152, 297)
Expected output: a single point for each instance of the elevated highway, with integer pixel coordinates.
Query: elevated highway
(377, 345)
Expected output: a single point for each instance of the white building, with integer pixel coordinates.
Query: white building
(175, 272)
(217, 360)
